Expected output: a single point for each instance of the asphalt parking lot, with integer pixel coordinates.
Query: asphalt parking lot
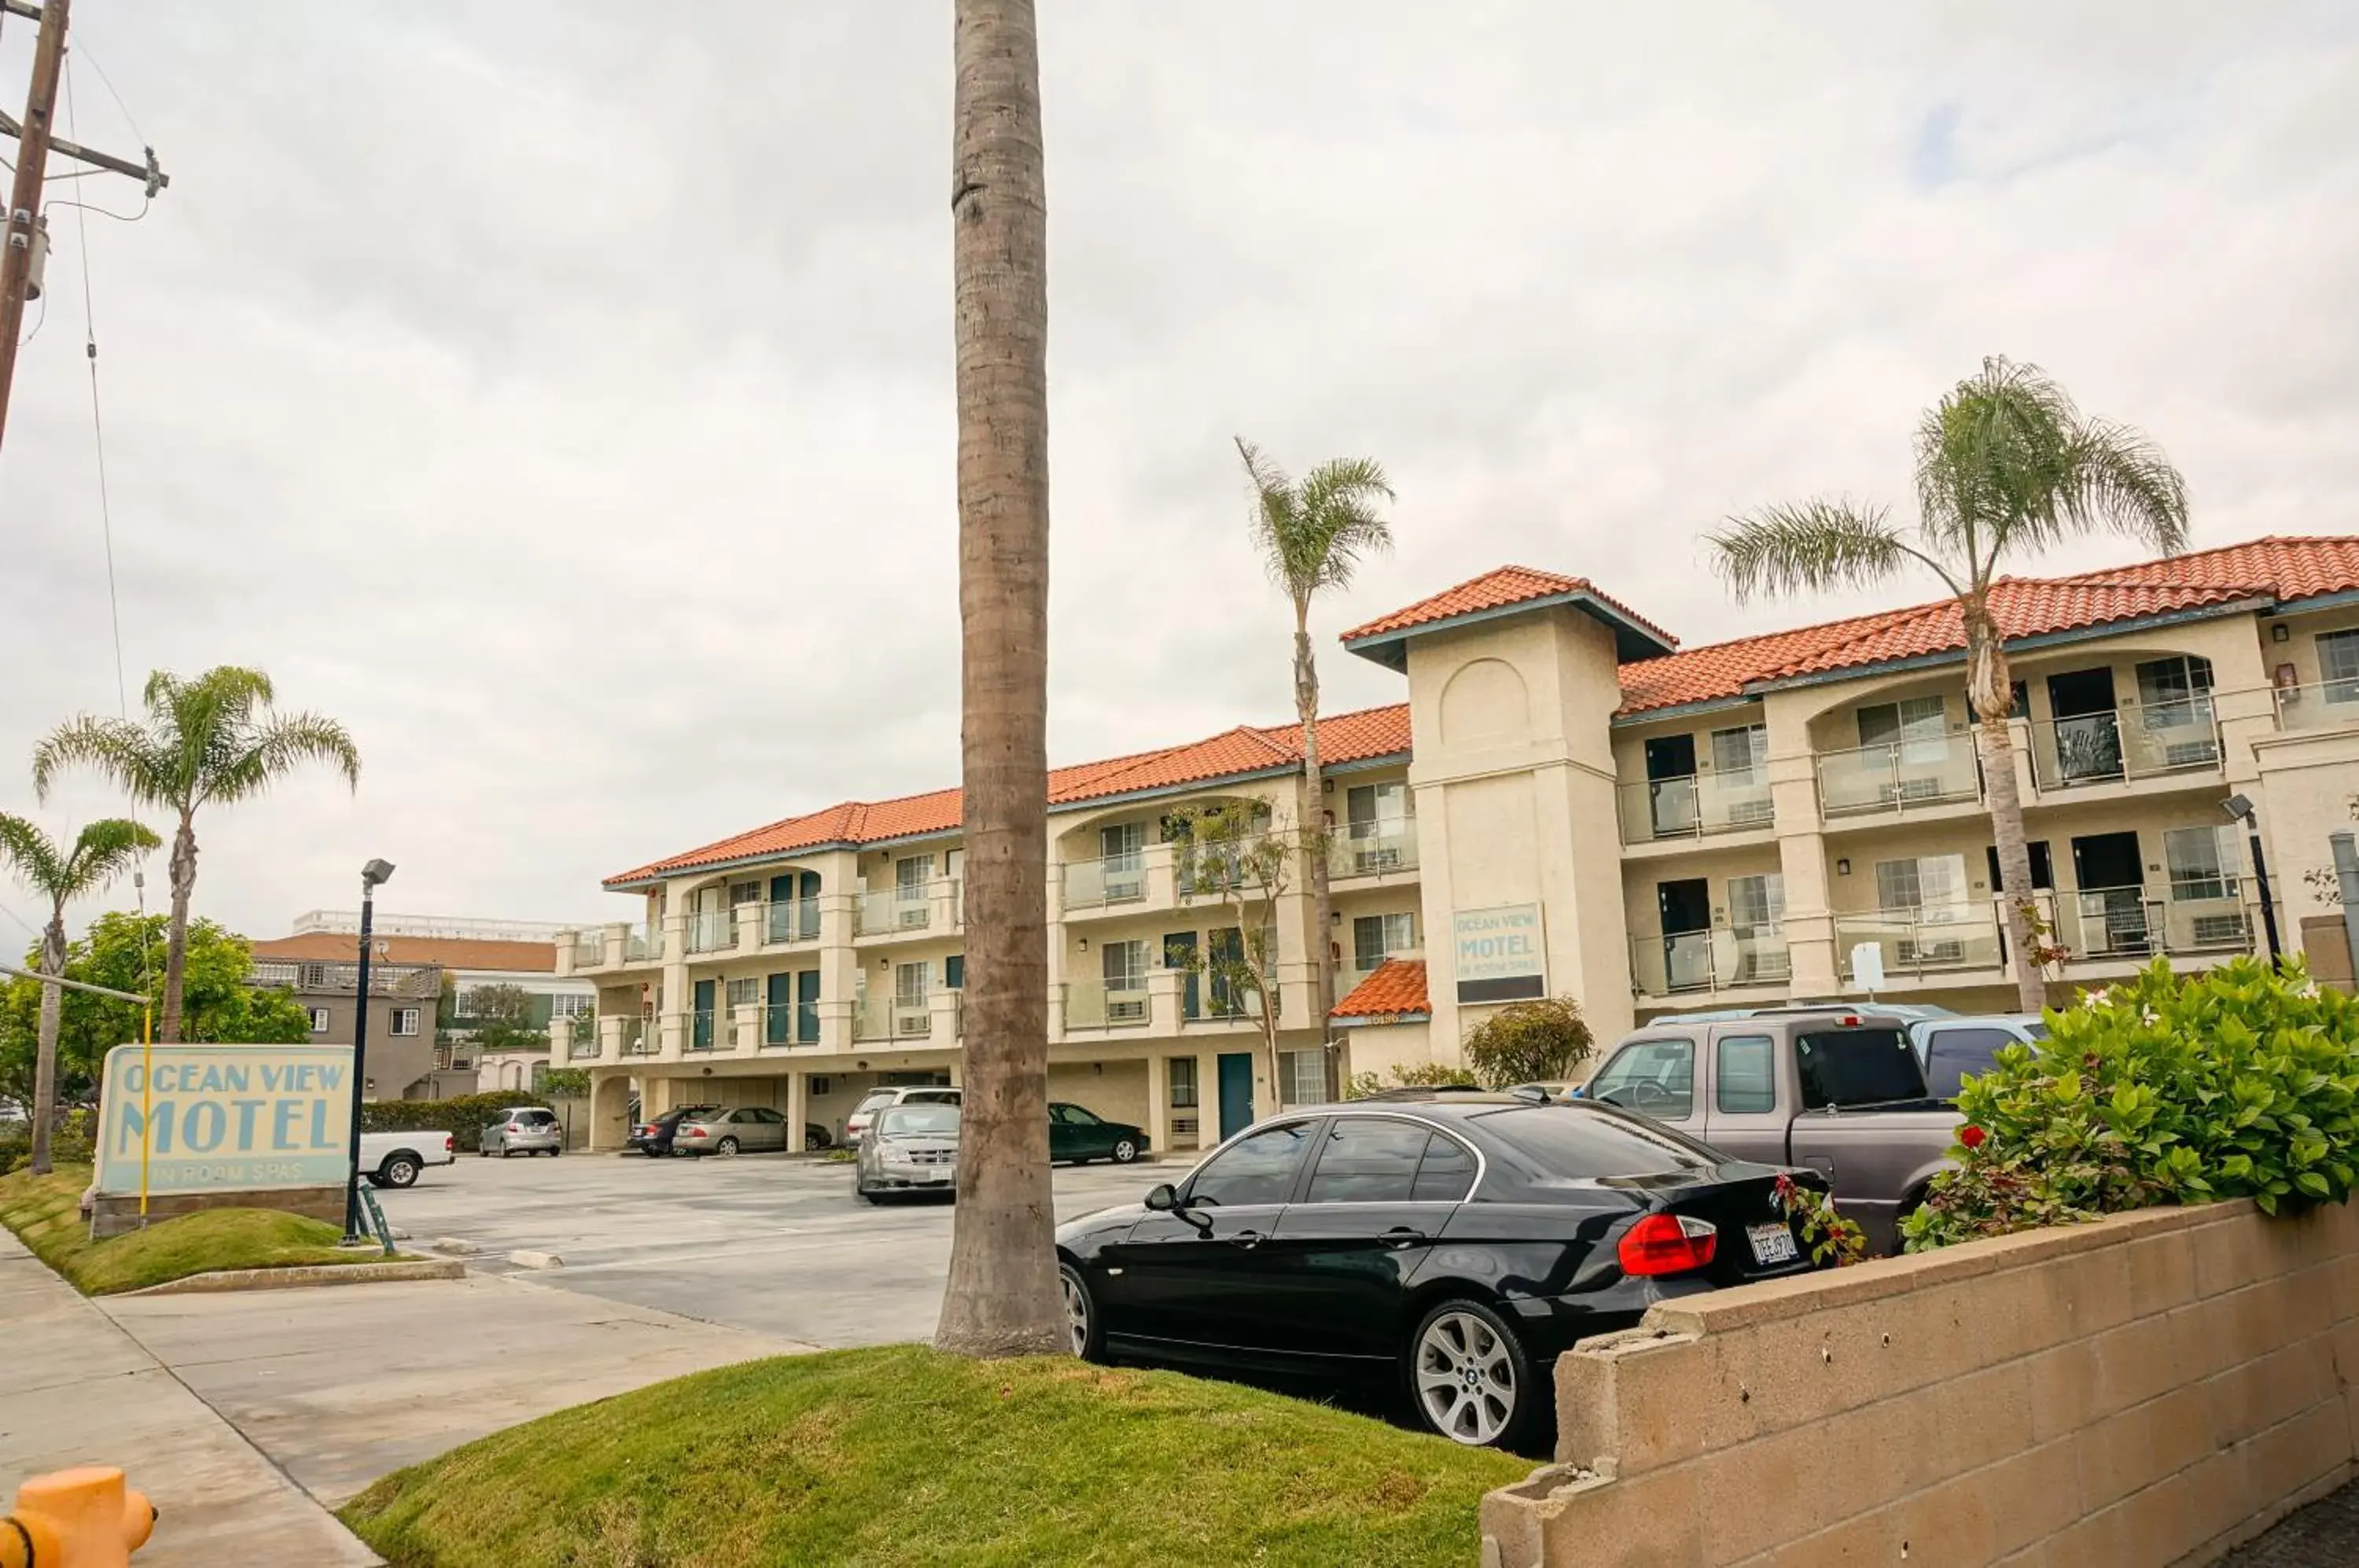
(774, 1244)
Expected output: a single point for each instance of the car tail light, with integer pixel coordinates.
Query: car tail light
(696, 1132)
(447, 1144)
(1668, 1244)
(513, 1127)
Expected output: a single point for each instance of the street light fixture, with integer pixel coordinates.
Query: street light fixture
(2240, 808)
(376, 874)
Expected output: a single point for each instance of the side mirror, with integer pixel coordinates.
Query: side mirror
(1161, 1198)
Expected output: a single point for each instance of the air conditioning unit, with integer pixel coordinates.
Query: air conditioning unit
(913, 1023)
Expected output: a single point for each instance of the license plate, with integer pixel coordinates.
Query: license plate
(1772, 1244)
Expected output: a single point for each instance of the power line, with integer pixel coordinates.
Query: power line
(98, 427)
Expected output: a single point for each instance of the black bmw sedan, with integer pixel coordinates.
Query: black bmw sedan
(1460, 1245)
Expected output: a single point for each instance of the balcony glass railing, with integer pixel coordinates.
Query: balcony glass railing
(1114, 879)
(1921, 942)
(639, 1037)
(1710, 960)
(711, 930)
(644, 944)
(793, 919)
(582, 1049)
(2134, 743)
(1693, 805)
(1372, 849)
(1899, 775)
(589, 949)
(2330, 705)
(1094, 1004)
(894, 910)
(890, 1017)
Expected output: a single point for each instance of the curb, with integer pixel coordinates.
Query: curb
(293, 1278)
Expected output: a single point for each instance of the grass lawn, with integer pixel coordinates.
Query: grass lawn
(44, 1212)
(900, 1455)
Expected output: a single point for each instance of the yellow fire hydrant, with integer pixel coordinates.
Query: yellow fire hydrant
(84, 1518)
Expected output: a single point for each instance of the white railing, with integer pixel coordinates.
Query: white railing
(2133, 743)
(644, 944)
(1921, 942)
(895, 909)
(1899, 775)
(1094, 1004)
(1714, 960)
(2329, 705)
(792, 919)
(882, 1017)
(1693, 805)
(1372, 849)
(1114, 879)
(711, 930)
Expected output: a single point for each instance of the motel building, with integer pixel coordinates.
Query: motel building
(1566, 802)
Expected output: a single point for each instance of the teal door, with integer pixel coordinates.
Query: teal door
(807, 1008)
(1237, 1092)
(700, 1038)
(778, 1011)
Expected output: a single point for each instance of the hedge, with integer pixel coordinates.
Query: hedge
(464, 1116)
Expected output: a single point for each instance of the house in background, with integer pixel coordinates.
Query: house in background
(402, 1063)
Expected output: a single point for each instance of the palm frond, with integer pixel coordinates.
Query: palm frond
(1809, 548)
(1338, 501)
(269, 754)
(35, 858)
(103, 850)
(136, 761)
(2121, 481)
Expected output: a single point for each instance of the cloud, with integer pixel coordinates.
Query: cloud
(560, 395)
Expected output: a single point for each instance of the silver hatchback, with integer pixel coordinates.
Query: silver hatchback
(912, 1147)
(525, 1129)
(749, 1130)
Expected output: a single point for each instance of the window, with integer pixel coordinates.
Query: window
(744, 993)
(1077, 1115)
(1746, 1080)
(1740, 753)
(1756, 900)
(571, 1006)
(2175, 686)
(744, 893)
(911, 875)
(1122, 844)
(1930, 882)
(2338, 662)
(1305, 1076)
(760, 1116)
(1368, 1159)
(1956, 1054)
(1657, 1076)
(1377, 810)
(909, 984)
(404, 1020)
(1446, 1175)
(1375, 938)
(2202, 862)
(954, 971)
(318, 1020)
(1579, 1144)
(1122, 966)
(1857, 1067)
(1183, 1082)
(1914, 719)
(2043, 866)
(1258, 1168)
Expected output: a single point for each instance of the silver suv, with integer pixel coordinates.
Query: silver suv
(864, 1114)
(525, 1129)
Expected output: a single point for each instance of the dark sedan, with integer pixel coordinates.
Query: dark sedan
(1459, 1245)
(654, 1138)
(1081, 1134)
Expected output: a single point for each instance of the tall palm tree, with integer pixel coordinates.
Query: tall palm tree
(1312, 534)
(2006, 467)
(211, 741)
(100, 852)
(1002, 1296)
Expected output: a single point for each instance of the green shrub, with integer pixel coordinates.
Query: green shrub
(464, 1116)
(1538, 1041)
(2239, 1083)
(1419, 1075)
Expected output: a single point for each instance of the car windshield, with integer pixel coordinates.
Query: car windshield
(871, 1101)
(1857, 1067)
(1569, 1140)
(2037, 1029)
(918, 1121)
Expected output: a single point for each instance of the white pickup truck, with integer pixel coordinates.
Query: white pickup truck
(395, 1159)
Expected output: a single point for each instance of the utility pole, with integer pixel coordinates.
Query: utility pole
(36, 136)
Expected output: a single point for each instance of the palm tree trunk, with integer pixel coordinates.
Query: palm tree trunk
(1315, 841)
(176, 933)
(1002, 1298)
(1991, 695)
(45, 1050)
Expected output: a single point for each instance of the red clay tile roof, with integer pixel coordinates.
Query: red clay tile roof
(1396, 991)
(1497, 590)
(1344, 737)
(2284, 570)
(451, 952)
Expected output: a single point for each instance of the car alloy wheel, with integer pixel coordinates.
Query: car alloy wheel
(1125, 1151)
(400, 1171)
(1077, 1311)
(726, 1148)
(1464, 1375)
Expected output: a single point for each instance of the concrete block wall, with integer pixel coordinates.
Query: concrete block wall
(2144, 1391)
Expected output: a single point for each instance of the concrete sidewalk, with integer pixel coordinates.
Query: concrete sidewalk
(80, 1391)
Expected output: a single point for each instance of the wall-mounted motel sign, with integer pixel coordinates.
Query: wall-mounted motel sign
(228, 1118)
(1499, 954)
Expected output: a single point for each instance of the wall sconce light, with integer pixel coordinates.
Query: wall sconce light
(2280, 632)
(1843, 868)
(1085, 945)
(1327, 786)
(1334, 917)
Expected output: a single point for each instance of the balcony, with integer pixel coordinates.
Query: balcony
(921, 907)
(704, 1030)
(636, 1036)
(791, 921)
(1898, 776)
(578, 1050)
(2136, 743)
(1372, 849)
(1716, 960)
(1694, 805)
(2201, 915)
(644, 944)
(1094, 1004)
(2330, 705)
(1114, 879)
(881, 1017)
(711, 930)
(589, 949)
(785, 1025)
(1923, 942)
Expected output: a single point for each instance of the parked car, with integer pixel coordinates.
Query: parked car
(654, 1138)
(909, 1147)
(395, 1159)
(1955, 1049)
(1460, 1245)
(1081, 1134)
(1841, 1094)
(525, 1129)
(749, 1130)
(877, 1100)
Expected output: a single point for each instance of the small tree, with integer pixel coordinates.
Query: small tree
(1230, 853)
(1406, 1076)
(499, 1018)
(1529, 1042)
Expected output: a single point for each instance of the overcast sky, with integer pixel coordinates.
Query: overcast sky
(559, 394)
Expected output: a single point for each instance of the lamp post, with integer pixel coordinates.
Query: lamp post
(373, 874)
(2240, 807)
